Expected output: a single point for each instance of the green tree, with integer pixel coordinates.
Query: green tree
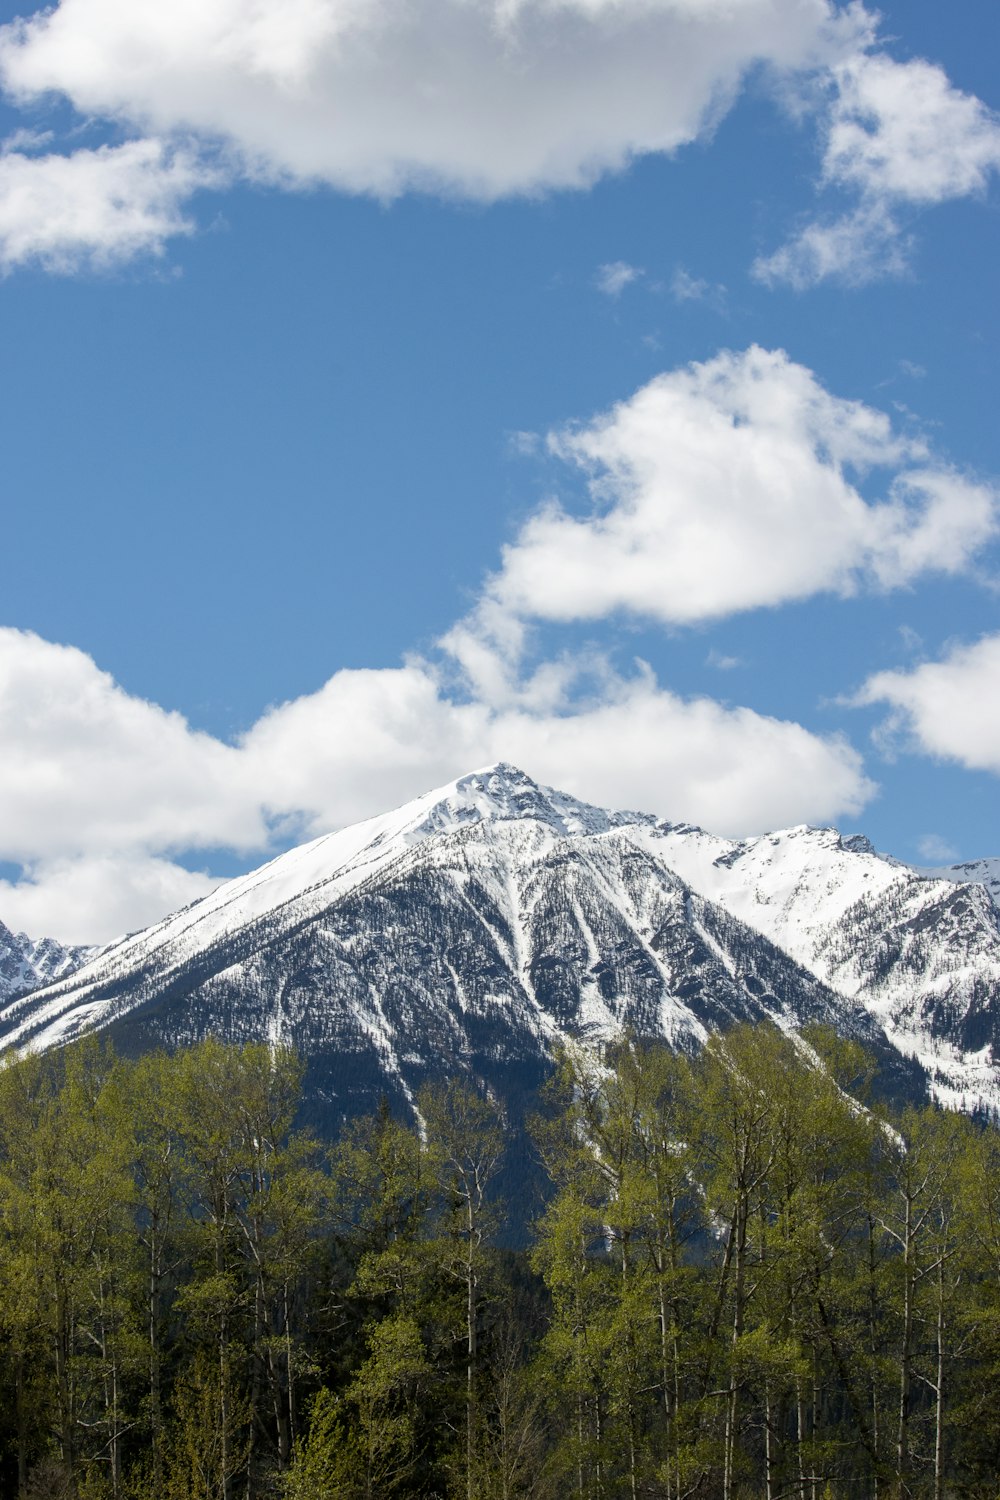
(66, 1194)
(466, 1142)
(257, 1202)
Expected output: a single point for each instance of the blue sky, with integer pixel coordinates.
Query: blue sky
(388, 390)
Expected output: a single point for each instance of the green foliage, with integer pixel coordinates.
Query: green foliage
(208, 1444)
(745, 1282)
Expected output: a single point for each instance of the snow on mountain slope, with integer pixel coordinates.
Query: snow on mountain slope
(26, 964)
(468, 930)
(303, 881)
(920, 950)
(979, 871)
(478, 923)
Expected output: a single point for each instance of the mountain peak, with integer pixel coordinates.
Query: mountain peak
(502, 792)
(496, 911)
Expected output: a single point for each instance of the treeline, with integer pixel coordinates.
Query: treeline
(747, 1281)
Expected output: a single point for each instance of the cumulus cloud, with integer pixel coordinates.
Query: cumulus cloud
(101, 791)
(95, 898)
(90, 769)
(94, 207)
(725, 486)
(948, 708)
(478, 97)
(634, 743)
(719, 487)
(896, 135)
(901, 130)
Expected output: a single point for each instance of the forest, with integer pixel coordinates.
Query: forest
(747, 1278)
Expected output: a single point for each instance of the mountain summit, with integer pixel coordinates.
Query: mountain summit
(476, 927)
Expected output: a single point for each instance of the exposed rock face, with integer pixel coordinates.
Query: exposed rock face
(472, 929)
(26, 965)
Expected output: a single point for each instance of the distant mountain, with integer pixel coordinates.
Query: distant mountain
(26, 964)
(474, 928)
(978, 871)
(920, 950)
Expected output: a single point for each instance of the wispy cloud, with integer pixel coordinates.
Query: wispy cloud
(721, 662)
(855, 248)
(523, 444)
(687, 288)
(613, 278)
(936, 850)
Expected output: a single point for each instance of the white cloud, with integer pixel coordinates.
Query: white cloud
(613, 278)
(949, 708)
(687, 288)
(26, 140)
(89, 769)
(896, 135)
(523, 444)
(902, 131)
(481, 98)
(936, 850)
(721, 662)
(636, 744)
(722, 487)
(95, 898)
(718, 487)
(94, 207)
(100, 788)
(856, 248)
(475, 98)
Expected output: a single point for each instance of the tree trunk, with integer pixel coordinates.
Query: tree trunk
(732, 1400)
(22, 1425)
(939, 1389)
(800, 1434)
(905, 1356)
(470, 1367)
(768, 1442)
(873, 1346)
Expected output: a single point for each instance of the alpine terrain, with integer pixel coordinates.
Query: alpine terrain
(24, 964)
(475, 928)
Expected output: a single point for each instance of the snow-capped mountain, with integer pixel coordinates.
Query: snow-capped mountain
(920, 950)
(26, 964)
(978, 871)
(474, 927)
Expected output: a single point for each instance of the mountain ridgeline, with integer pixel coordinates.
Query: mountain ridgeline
(473, 930)
(26, 965)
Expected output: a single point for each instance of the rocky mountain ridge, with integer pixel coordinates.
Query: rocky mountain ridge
(473, 928)
(27, 964)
